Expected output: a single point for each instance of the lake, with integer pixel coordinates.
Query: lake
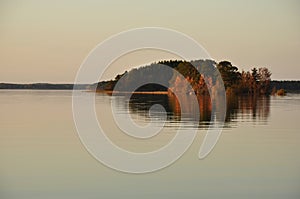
(41, 155)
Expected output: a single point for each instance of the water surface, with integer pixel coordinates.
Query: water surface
(41, 155)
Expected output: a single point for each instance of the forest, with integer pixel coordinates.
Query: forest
(202, 76)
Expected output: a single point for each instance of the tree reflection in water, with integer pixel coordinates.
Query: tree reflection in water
(239, 108)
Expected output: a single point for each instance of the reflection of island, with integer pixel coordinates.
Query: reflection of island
(247, 107)
(252, 107)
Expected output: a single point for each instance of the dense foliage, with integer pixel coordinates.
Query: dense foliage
(202, 75)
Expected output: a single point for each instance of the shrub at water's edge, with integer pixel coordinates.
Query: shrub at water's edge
(281, 92)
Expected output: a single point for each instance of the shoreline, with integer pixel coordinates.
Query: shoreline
(290, 86)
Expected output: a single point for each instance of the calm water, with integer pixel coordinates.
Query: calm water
(41, 155)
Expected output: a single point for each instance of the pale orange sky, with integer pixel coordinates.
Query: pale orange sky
(46, 41)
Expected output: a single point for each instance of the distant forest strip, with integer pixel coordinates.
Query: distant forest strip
(42, 86)
(290, 86)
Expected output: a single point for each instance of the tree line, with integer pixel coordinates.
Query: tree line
(201, 74)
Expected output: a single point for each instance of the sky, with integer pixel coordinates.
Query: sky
(47, 41)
